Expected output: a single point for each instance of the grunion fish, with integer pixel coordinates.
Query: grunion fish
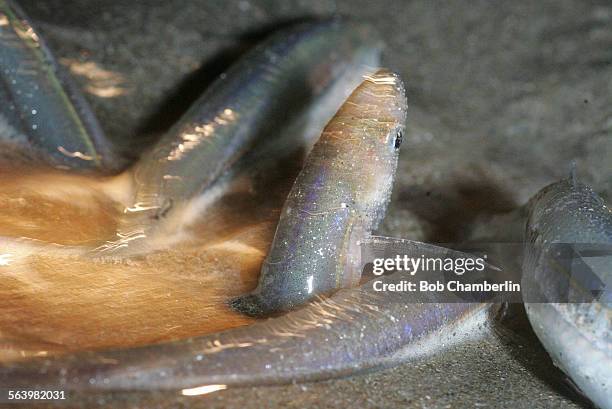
(43, 116)
(259, 104)
(352, 330)
(336, 201)
(570, 309)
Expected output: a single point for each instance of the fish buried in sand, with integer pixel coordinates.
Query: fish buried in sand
(355, 330)
(271, 98)
(304, 72)
(372, 329)
(336, 201)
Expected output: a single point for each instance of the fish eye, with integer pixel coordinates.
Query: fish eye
(398, 139)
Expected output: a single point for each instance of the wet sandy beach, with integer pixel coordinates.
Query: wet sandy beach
(502, 98)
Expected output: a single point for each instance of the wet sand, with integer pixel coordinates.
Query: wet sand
(502, 98)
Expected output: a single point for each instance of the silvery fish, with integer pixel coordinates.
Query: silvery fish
(336, 201)
(569, 293)
(43, 117)
(257, 104)
(352, 330)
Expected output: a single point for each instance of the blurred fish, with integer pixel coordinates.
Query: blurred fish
(270, 104)
(56, 229)
(353, 330)
(43, 117)
(269, 101)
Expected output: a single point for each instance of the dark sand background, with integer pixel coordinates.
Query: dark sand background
(502, 97)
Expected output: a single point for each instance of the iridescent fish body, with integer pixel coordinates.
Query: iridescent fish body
(255, 105)
(336, 201)
(355, 330)
(571, 294)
